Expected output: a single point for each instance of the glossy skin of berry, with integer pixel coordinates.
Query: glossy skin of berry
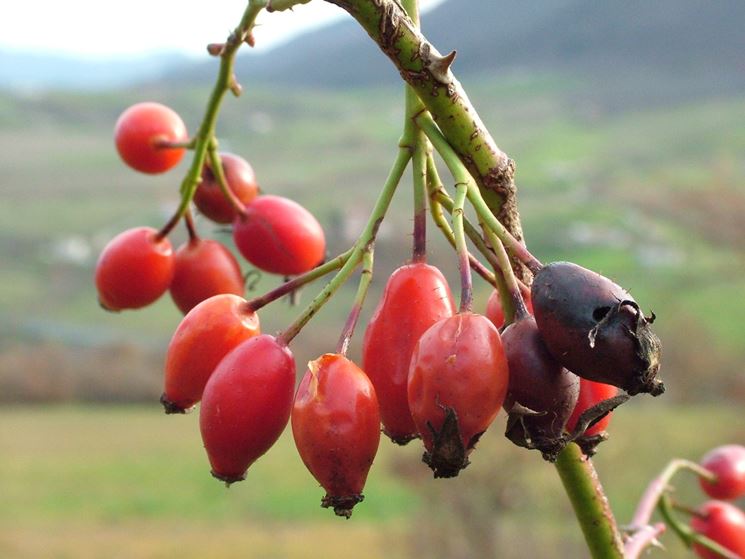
(241, 180)
(138, 131)
(205, 335)
(723, 523)
(204, 268)
(246, 405)
(538, 382)
(728, 464)
(458, 363)
(134, 269)
(494, 310)
(336, 426)
(279, 236)
(595, 328)
(590, 393)
(415, 297)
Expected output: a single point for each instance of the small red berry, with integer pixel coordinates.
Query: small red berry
(138, 132)
(279, 236)
(204, 268)
(728, 464)
(723, 523)
(415, 297)
(241, 180)
(457, 383)
(134, 269)
(205, 335)
(246, 405)
(336, 425)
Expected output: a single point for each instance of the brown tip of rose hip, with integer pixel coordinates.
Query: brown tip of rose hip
(401, 440)
(228, 480)
(342, 505)
(171, 407)
(448, 455)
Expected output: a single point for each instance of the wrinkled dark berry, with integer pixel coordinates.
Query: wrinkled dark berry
(596, 329)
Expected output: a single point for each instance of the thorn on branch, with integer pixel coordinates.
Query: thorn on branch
(234, 86)
(216, 49)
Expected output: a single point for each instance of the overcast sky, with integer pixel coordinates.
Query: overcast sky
(95, 28)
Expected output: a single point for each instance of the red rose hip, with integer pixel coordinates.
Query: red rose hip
(727, 463)
(336, 426)
(246, 405)
(723, 523)
(204, 268)
(134, 269)
(279, 236)
(241, 181)
(415, 297)
(205, 335)
(457, 383)
(141, 128)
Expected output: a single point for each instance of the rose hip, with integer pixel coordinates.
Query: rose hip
(457, 383)
(246, 405)
(134, 269)
(336, 426)
(415, 297)
(205, 335)
(204, 268)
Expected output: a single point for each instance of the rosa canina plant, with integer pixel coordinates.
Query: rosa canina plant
(560, 349)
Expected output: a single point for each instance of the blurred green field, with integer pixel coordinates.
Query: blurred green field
(129, 482)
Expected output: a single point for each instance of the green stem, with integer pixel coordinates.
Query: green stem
(205, 136)
(359, 299)
(511, 297)
(419, 164)
(466, 283)
(686, 534)
(438, 199)
(298, 281)
(366, 238)
(462, 174)
(219, 172)
(590, 505)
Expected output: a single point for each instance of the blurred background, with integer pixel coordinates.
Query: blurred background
(627, 123)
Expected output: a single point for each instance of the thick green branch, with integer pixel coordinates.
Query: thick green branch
(429, 74)
(590, 505)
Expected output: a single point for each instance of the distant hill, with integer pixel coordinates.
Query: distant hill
(693, 46)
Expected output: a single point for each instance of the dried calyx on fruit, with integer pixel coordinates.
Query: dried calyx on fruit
(595, 329)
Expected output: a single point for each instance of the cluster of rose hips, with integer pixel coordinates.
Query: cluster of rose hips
(428, 370)
(722, 479)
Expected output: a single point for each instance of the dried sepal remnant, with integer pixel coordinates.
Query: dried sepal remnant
(448, 455)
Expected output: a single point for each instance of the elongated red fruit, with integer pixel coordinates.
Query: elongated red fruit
(415, 297)
(336, 425)
(246, 405)
(457, 383)
(205, 335)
